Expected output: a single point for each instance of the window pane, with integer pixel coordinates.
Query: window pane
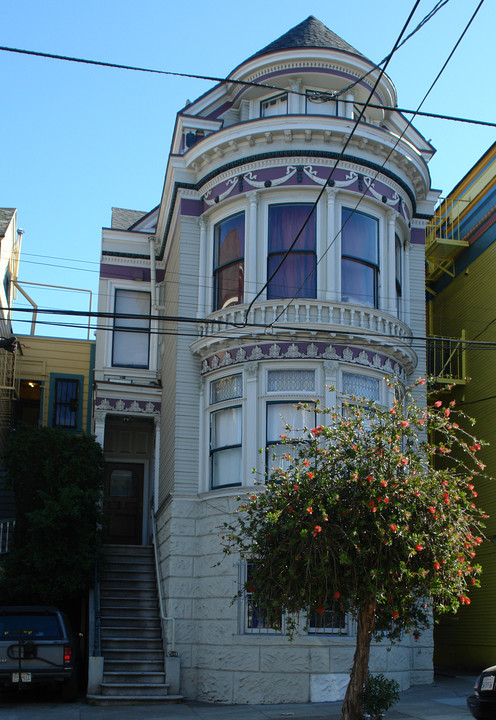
(276, 425)
(285, 221)
(296, 277)
(226, 428)
(130, 349)
(229, 240)
(330, 621)
(359, 236)
(291, 380)
(256, 619)
(226, 467)
(277, 105)
(226, 388)
(229, 249)
(131, 337)
(132, 302)
(229, 285)
(361, 386)
(319, 104)
(358, 283)
(65, 407)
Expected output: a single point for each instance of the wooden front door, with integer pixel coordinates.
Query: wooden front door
(123, 504)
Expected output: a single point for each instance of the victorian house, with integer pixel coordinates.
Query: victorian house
(286, 258)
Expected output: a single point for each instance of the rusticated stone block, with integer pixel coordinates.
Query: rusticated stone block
(328, 687)
(289, 658)
(342, 657)
(227, 657)
(320, 659)
(215, 687)
(216, 632)
(258, 688)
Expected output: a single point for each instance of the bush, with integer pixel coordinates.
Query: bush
(379, 696)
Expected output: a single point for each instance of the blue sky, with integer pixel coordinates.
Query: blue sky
(77, 139)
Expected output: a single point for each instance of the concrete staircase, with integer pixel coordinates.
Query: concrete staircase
(131, 633)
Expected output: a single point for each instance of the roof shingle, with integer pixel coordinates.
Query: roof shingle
(309, 33)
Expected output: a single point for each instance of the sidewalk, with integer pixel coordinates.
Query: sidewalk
(444, 700)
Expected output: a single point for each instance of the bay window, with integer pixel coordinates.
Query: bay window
(297, 276)
(131, 336)
(359, 258)
(229, 249)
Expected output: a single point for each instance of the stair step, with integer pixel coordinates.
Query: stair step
(124, 644)
(133, 689)
(134, 677)
(141, 615)
(134, 593)
(131, 603)
(132, 633)
(133, 700)
(113, 665)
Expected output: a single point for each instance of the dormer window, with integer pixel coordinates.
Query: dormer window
(276, 105)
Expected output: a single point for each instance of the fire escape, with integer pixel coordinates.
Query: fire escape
(445, 356)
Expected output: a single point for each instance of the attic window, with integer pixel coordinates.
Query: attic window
(276, 105)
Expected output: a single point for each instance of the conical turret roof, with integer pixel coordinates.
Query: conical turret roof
(310, 33)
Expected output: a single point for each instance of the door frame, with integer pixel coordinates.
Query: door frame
(145, 463)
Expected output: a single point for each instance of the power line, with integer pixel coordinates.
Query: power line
(212, 78)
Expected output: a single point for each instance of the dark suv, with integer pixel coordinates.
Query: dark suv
(37, 646)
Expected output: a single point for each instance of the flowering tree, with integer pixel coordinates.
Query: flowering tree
(360, 518)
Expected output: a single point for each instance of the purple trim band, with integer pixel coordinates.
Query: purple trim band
(128, 272)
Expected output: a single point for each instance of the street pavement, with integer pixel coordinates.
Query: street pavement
(444, 700)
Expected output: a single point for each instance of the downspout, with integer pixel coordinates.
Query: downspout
(153, 273)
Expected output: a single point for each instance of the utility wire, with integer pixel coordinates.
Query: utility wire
(330, 96)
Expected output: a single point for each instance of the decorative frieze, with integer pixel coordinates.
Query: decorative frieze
(303, 351)
(308, 174)
(128, 406)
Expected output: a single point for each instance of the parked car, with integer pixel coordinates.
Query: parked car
(37, 646)
(482, 704)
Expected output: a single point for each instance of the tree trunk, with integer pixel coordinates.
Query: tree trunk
(352, 705)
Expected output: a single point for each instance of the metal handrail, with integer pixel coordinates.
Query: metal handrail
(6, 534)
(163, 618)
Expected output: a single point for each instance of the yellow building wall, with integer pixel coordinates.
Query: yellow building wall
(468, 640)
(42, 358)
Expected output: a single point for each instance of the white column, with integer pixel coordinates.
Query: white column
(331, 369)
(389, 288)
(251, 248)
(349, 105)
(99, 430)
(333, 255)
(203, 441)
(204, 279)
(251, 441)
(405, 287)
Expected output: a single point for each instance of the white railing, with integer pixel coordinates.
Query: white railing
(6, 535)
(300, 314)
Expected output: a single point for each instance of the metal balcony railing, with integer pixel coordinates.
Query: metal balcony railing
(446, 359)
